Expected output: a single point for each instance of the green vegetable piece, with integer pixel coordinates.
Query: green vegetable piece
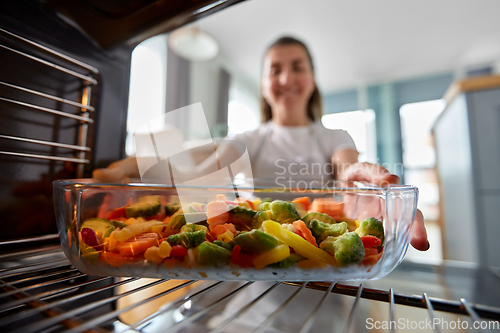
(321, 230)
(118, 224)
(191, 227)
(224, 245)
(177, 222)
(347, 249)
(268, 199)
(317, 216)
(211, 254)
(147, 206)
(171, 209)
(265, 205)
(289, 261)
(188, 239)
(371, 227)
(260, 217)
(255, 242)
(241, 215)
(284, 212)
(89, 253)
(103, 226)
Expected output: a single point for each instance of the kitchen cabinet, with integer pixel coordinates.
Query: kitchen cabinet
(467, 138)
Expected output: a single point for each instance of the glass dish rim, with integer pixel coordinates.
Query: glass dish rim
(64, 183)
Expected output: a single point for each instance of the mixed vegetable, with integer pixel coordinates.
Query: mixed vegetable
(248, 234)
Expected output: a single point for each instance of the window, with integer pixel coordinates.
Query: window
(361, 126)
(147, 87)
(419, 155)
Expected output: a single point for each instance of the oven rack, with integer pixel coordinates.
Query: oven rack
(41, 291)
(54, 62)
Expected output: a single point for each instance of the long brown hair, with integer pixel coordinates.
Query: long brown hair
(314, 106)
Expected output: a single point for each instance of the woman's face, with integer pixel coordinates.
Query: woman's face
(288, 79)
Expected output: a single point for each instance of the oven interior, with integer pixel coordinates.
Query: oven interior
(62, 96)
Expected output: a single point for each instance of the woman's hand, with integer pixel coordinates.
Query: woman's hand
(348, 172)
(118, 172)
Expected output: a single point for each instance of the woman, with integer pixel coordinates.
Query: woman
(292, 142)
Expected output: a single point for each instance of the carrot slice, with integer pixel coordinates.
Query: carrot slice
(305, 232)
(119, 212)
(220, 229)
(138, 244)
(328, 206)
(116, 259)
(304, 201)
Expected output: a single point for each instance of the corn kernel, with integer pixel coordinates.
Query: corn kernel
(152, 254)
(165, 249)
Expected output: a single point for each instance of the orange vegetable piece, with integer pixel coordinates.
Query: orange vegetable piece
(372, 259)
(328, 206)
(217, 213)
(304, 232)
(138, 244)
(116, 259)
(304, 201)
(119, 212)
(220, 229)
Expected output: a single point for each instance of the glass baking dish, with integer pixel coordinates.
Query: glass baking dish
(77, 201)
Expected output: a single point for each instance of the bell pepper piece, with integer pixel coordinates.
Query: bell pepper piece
(178, 251)
(371, 241)
(299, 244)
(242, 259)
(279, 253)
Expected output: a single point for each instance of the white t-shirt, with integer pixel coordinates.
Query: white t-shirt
(293, 151)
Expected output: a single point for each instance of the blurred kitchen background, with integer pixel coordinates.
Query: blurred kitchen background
(383, 68)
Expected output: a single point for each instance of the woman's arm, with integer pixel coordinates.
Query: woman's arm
(348, 169)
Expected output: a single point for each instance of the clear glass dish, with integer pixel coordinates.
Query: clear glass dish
(79, 200)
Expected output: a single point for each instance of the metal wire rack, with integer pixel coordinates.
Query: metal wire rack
(42, 292)
(54, 63)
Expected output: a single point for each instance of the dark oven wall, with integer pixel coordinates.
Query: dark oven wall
(26, 205)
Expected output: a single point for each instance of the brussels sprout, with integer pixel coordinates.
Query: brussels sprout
(347, 248)
(284, 212)
(321, 230)
(264, 206)
(317, 216)
(371, 227)
(261, 217)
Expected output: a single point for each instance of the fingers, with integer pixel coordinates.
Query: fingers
(419, 237)
(372, 173)
(118, 172)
